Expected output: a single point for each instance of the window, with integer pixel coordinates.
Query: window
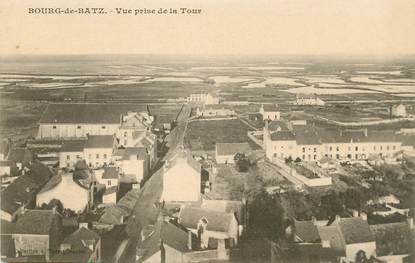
(54, 127)
(68, 157)
(125, 134)
(356, 148)
(97, 156)
(105, 156)
(109, 182)
(331, 148)
(309, 156)
(275, 155)
(79, 127)
(78, 157)
(337, 156)
(103, 127)
(356, 156)
(303, 149)
(303, 156)
(337, 148)
(315, 157)
(315, 149)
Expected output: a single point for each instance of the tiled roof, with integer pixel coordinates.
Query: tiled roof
(168, 234)
(22, 189)
(81, 234)
(88, 113)
(226, 206)
(307, 231)
(36, 222)
(355, 230)
(73, 146)
(217, 221)
(110, 173)
(232, 148)
(4, 146)
(100, 141)
(334, 236)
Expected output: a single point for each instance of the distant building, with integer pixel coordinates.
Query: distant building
(309, 143)
(269, 112)
(203, 98)
(77, 120)
(134, 126)
(179, 173)
(214, 112)
(70, 153)
(64, 188)
(83, 245)
(398, 111)
(37, 233)
(225, 152)
(308, 99)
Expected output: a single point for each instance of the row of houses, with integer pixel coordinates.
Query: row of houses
(283, 139)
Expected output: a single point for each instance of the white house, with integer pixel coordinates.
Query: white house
(98, 150)
(308, 99)
(269, 112)
(225, 152)
(311, 143)
(63, 188)
(398, 111)
(110, 195)
(133, 127)
(133, 161)
(181, 179)
(204, 98)
(110, 176)
(71, 152)
(210, 224)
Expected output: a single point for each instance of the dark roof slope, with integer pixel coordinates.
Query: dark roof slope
(110, 173)
(90, 113)
(73, 146)
(307, 231)
(100, 141)
(36, 222)
(21, 190)
(21, 155)
(355, 230)
(270, 107)
(217, 221)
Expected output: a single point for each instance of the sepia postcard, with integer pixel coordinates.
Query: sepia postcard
(182, 131)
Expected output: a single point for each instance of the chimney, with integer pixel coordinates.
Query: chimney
(337, 219)
(122, 220)
(325, 243)
(363, 216)
(365, 131)
(54, 210)
(189, 240)
(355, 213)
(83, 224)
(410, 221)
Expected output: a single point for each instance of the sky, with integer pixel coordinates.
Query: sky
(240, 27)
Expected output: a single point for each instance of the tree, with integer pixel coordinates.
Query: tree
(54, 203)
(331, 204)
(360, 257)
(242, 162)
(355, 198)
(289, 159)
(266, 216)
(297, 160)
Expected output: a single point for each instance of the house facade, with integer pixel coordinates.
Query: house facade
(181, 172)
(312, 144)
(308, 99)
(204, 98)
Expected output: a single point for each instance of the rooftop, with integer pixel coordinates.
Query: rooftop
(137, 153)
(36, 222)
(73, 146)
(100, 141)
(217, 221)
(354, 230)
(20, 155)
(270, 107)
(110, 173)
(87, 113)
(393, 238)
